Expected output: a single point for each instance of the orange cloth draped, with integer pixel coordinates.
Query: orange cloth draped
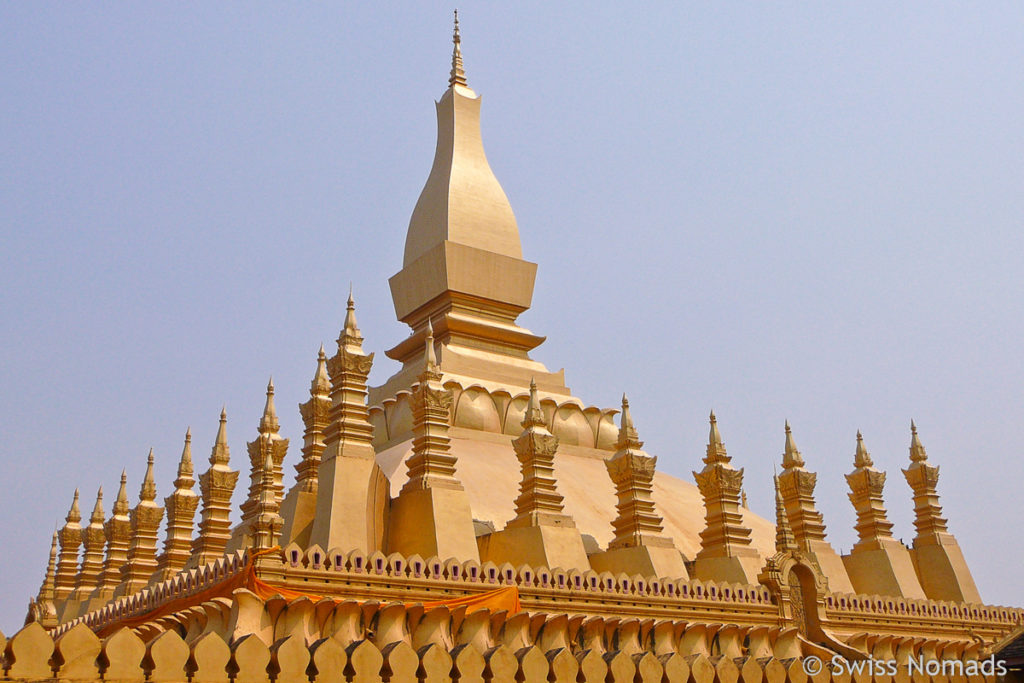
(505, 598)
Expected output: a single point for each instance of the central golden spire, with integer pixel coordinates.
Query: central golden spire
(458, 75)
(463, 266)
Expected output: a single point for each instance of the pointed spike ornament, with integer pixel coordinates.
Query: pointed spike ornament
(314, 413)
(269, 422)
(861, 457)
(923, 478)
(866, 494)
(70, 536)
(148, 491)
(628, 435)
(791, 457)
(350, 336)
(458, 74)
(93, 538)
(917, 451)
(716, 452)
(797, 487)
(181, 510)
(321, 385)
(117, 533)
(784, 540)
(431, 463)
(44, 610)
(216, 486)
(145, 528)
(632, 471)
(534, 416)
(724, 534)
(97, 509)
(121, 505)
(268, 443)
(539, 503)
(345, 514)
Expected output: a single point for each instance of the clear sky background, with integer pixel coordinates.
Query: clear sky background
(776, 210)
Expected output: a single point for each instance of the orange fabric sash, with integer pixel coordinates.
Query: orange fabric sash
(504, 598)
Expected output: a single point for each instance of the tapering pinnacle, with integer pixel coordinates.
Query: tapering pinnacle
(458, 75)
(269, 422)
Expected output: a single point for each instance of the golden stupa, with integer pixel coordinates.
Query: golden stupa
(472, 520)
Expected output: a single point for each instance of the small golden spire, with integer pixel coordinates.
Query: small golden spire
(221, 454)
(121, 506)
(148, 491)
(74, 514)
(716, 452)
(784, 539)
(185, 464)
(431, 354)
(917, 452)
(458, 74)
(628, 436)
(321, 385)
(791, 458)
(534, 416)
(269, 422)
(862, 458)
(97, 510)
(350, 332)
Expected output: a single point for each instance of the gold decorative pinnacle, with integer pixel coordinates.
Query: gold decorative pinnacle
(791, 458)
(716, 452)
(148, 491)
(628, 435)
(121, 506)
(97, 510)
(350, 331)
(74, 514)
(458, 74)
(862, 458)
(269, 422)
(534, 416)
(917, 451)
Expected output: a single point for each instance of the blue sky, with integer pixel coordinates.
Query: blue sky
(798, 211)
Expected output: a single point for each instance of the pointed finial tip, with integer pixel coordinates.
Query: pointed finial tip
(430, 328)
(270, 385)
(351, 299)
(149, 458)
(713, 416)
(625, 401)
(322, 354)
(76, 494)
(913, 427)
(124, 475)
(859, 437)
(787, 425)
(188, 433)
(224, 412)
